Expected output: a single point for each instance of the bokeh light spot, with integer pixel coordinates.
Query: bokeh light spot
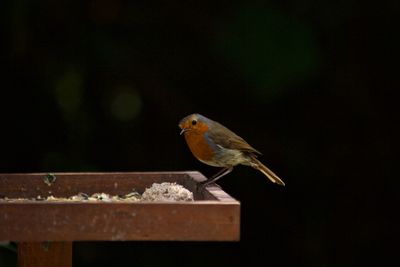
(125, 104)
(68, 92)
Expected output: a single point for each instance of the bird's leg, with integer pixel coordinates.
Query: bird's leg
(215, 177)
(219, 173)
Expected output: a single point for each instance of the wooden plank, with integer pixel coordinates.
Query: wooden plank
(45, 254)
(202, 220)
(214, 215)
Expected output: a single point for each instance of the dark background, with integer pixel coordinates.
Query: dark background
(101, 86)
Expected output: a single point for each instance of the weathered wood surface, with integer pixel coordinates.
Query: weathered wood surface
(45, 254)
(28, 185)
(214, 216)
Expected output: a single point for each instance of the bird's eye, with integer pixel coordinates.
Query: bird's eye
(194, 122)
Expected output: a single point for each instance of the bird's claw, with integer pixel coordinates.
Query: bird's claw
(201, 186)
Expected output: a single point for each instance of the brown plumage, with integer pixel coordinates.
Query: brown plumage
(215, 145)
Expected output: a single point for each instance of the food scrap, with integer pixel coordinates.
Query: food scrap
(157, 192)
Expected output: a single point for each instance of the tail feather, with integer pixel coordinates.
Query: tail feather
(267, 172)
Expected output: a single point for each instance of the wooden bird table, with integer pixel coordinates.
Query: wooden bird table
(45, 230)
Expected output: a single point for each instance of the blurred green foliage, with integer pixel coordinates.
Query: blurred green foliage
(8, 254)
(271, 50)
(68, 92)
(125, 104)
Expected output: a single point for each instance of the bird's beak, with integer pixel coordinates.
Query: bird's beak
(184, 130)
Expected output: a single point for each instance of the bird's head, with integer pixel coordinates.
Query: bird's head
(194, 124)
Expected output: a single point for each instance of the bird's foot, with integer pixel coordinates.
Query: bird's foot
(201, 186)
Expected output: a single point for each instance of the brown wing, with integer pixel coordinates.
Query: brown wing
(224, 137)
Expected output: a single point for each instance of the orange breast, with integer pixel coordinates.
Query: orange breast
(199, 146)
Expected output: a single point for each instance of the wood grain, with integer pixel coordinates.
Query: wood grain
(213, 216)
(30, 185)
(45, 254)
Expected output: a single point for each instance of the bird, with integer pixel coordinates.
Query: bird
(215, 145)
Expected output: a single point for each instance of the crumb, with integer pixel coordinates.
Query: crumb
(167, 192)
(157, 192)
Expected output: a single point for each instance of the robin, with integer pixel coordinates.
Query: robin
(215, 145)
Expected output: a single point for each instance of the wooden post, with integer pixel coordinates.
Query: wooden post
(44, 254)
(213, 216)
